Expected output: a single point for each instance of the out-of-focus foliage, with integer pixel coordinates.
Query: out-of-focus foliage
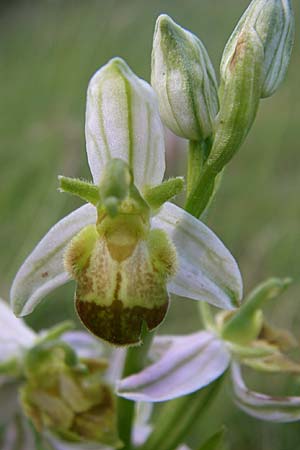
(48, 50)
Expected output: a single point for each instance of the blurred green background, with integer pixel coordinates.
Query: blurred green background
(48, 52)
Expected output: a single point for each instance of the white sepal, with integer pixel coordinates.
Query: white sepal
(15, 336)
(261, 406)
(187, 363)
(122, 121)
(43, 270)
(207, 271)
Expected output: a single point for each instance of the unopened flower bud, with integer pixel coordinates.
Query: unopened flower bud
(239, 94)
(184, 80)
(273, 22)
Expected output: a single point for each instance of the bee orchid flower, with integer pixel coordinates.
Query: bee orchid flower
(242, 338)
(56, 378)
(129, 247)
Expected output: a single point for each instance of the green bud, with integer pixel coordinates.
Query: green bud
(240, 94)
(184, 80)
(273, 22)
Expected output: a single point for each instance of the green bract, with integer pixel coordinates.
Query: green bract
(184, 80)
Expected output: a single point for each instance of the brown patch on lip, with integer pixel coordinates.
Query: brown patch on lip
(116, 324)
(45, 274)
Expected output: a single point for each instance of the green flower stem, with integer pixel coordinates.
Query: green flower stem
(200, 177)
(198, 153)
(135, 361)
(177, 417)
(201, 193)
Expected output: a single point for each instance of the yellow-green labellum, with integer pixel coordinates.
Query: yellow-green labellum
(121, 279)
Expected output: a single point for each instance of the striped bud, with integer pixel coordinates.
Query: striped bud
(239, 94)
(184, 79)
(273, 21)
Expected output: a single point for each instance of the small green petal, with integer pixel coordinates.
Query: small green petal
(158, 195)
(83, 189)
(246, 324)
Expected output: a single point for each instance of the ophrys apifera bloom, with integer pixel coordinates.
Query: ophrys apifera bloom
(129, 248)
